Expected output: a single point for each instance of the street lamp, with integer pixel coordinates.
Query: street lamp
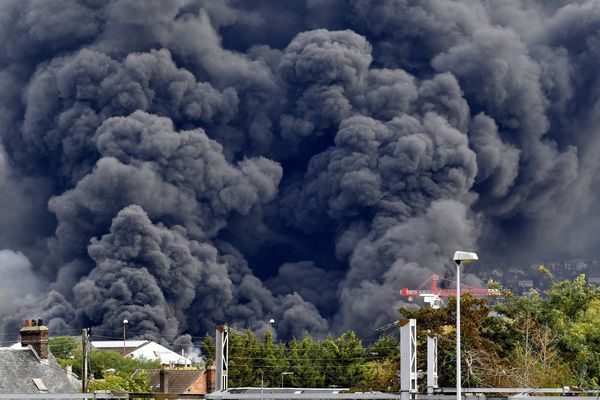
(125, 322)
(285, 373)
(460, 257)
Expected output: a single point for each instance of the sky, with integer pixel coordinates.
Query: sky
(187, 163)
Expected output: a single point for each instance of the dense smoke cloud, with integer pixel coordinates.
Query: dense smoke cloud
(188, 163)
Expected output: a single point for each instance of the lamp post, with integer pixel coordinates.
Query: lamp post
(285, 373)
(271, 327)
(125, 322)
(262, 384)
(460, 257)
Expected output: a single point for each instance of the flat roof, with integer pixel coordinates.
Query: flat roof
(113, 344)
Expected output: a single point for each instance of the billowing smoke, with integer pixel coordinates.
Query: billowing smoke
(188, 163)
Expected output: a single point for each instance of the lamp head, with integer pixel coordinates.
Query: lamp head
(465, 257)
(125, 321)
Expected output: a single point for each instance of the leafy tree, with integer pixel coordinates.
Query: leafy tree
(305, 362)
(208, 349)
(63, 347)
(131, 384)
(101, 361)
(480, 354)
(381, 375)
(245, 360)
(273, 358)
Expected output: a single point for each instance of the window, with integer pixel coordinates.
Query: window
(40, 385)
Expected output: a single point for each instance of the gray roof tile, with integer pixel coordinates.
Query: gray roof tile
(18, 368)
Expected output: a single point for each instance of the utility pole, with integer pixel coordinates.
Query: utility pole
(84, 347)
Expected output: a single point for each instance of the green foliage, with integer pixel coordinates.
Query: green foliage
(554, 337)
(208, 349)
(549, 340)
(381, 375)
(101, 361)
(68, 352)
(114, 382)
(337, 362)
(63, 347)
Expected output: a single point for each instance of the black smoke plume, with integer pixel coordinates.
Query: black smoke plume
(188, 163)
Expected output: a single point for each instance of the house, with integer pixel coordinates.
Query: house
(31, 368)
(143, 349)
(182, 380)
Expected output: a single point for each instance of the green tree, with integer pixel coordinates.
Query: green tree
(63, 347)
(101, 361)
(381, 375)
(552, 338)
(306, 356)
(208, 349)
(245, 360)
(131, 384)
(273, 359)
(480, 353)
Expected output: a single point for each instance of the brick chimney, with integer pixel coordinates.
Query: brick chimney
(35, 334)
(211, 377)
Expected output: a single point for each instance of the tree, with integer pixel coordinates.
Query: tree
(480, 354)
(208, 349)
(305, 361)
(380, 375)
(102, 361)
(245, 360)
(138, 383)
(63, 347)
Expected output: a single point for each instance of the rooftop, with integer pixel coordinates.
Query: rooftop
(21, 371)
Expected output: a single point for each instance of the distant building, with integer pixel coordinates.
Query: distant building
(143, 349)
(525, 285)
(123, 347)
(31, 368)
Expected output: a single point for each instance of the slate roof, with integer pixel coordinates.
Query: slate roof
(19, 368)
(179, 379)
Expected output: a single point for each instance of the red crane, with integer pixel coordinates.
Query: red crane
(433, 295)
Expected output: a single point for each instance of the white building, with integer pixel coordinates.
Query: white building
(143, 349)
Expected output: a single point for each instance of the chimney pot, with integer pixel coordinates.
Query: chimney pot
(27, 323)
(40, 322)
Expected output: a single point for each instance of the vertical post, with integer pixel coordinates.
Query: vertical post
(222, 348)
(125, 322)
(460, 257)
(408, 358)
(262, 385)
(163, 379)
(84, 364)
(432, 363)
(458, 372)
